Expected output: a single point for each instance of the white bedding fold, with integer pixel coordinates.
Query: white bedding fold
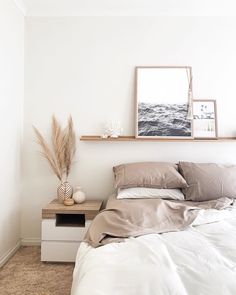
(200, 260)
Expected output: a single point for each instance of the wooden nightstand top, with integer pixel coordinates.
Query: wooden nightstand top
(89, 208)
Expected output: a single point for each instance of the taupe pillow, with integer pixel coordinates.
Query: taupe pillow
(208, 181)
(148, 174)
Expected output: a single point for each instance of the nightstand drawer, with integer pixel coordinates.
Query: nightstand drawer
(59, 251)
(64, 227)
(52, 232)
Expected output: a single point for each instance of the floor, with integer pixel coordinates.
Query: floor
(25, 274)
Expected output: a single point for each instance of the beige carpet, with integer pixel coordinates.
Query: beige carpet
(25, 274)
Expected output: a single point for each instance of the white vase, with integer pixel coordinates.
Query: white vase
(79, 195)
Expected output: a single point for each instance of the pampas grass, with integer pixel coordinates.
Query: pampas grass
(60, 156)
(69, 146)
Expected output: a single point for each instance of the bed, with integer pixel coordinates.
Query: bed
(197, 257)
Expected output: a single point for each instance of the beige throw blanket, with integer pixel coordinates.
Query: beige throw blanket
(131, 218)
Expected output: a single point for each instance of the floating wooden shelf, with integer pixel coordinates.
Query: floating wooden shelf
(133, 138)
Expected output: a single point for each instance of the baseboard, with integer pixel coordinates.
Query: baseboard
(5, 257)
(30, 242)
(23, 242)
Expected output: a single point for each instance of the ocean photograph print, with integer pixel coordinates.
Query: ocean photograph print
(163, 102)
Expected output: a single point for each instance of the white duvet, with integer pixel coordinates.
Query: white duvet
(200, 260)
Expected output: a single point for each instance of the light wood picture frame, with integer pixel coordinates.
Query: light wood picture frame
(163, 96)
(205, 119)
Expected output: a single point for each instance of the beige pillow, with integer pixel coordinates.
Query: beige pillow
(208, 181)
(148, 174)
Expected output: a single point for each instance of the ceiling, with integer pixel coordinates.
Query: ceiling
(127, 7)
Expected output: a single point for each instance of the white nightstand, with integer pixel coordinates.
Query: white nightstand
(64, 227)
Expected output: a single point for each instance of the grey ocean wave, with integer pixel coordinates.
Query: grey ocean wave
(163, 120)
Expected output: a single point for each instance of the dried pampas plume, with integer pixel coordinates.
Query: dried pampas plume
(63, 148)
(69, 146)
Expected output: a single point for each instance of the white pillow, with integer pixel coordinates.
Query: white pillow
(150, 193)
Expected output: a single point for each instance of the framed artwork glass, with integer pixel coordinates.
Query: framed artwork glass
(163, 99)
(205, 118)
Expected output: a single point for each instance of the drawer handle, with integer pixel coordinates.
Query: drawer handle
(76, 220)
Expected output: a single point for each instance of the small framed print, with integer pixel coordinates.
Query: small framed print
(204, 118)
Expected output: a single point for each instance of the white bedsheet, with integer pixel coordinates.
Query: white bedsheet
(200, 260)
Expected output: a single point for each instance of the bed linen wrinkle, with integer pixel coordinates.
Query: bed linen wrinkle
(218, 252)
(200, 260)
(136, 273)
(223, 265)
(218, 240)
(169, 262)
(132, 218)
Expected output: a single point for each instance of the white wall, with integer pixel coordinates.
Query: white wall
(85, 66)
(11, 98)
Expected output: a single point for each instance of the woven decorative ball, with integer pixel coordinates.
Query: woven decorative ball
(64, 191)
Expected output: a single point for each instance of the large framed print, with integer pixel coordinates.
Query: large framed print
(205, 118)
(163, 102)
